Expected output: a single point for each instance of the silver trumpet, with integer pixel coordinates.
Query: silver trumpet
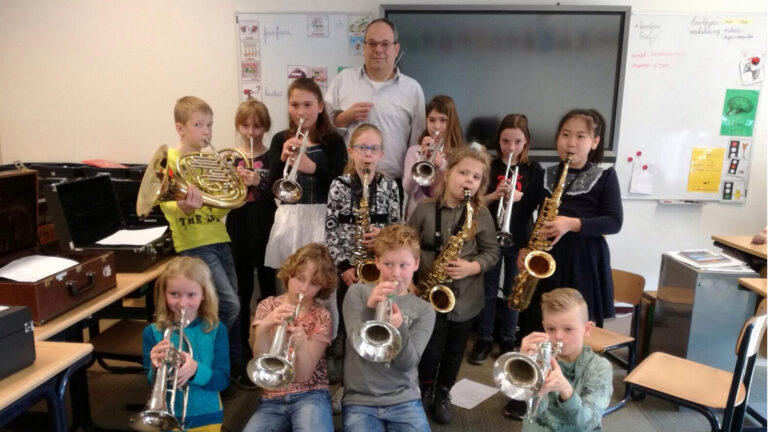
(275, 369)
(520, 376)
(287, 189)
(424, 171)
(378, 340)
(504, 213)
(157, 414)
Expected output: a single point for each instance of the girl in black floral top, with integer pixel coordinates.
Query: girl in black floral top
(366, 148)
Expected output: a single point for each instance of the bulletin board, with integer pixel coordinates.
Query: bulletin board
(690, 103)
(274, 49)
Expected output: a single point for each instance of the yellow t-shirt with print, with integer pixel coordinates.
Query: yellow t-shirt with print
(202, 227)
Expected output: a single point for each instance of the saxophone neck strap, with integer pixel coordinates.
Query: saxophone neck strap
(438, 246)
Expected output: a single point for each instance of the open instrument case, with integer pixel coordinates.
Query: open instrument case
(86, 210)
(55, 294)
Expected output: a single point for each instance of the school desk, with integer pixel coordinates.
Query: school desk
(757, 285)
(47, 379)
(742, 247)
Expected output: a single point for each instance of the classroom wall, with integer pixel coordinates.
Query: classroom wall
(98, 79)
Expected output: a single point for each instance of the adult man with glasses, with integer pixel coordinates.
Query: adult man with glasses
(379, 94)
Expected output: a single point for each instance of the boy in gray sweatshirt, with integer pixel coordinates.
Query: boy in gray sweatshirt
(386, 395)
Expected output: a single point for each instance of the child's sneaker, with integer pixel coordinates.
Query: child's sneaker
(336, 400)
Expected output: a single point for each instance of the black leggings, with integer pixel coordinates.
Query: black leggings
(444, 353)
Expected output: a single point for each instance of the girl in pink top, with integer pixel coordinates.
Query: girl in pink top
(305, 403)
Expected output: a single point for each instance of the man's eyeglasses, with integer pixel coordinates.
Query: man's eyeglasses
(362, 148)
(372, 45)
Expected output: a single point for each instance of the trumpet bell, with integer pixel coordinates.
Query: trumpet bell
(423, 173)
(505, 239)
(442, 299)
(154, 421)
(287, 191)
(377, 341)
(517, 376)
(270, 371)
(367, 272)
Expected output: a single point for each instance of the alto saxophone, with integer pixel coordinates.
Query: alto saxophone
(365, 266)
(433, 289)
(538, 263)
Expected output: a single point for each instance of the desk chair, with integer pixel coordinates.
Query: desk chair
(704, 388)
(627, 288)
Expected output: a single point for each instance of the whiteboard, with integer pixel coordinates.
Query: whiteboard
(677, 73)
(273, 47)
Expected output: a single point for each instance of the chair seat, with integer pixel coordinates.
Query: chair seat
(123, 338)
(685, 379)
(600, 339)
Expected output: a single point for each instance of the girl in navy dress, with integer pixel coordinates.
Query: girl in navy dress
(589, 210)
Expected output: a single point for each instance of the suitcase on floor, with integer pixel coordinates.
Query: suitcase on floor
(52, 295)
(85, 211)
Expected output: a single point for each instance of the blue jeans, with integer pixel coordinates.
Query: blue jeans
(407, 416)
(219, 258)
(508, 316)
(306, 411)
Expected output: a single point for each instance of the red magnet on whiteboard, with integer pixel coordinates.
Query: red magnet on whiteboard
(645, 167)
(639, 153)
(755, 60)
(629, 159)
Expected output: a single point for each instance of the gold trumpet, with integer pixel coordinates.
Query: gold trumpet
(158, 415)
(214, 174)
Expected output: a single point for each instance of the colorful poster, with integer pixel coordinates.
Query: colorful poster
(739, 110)
(356, 24)
(251, 70)
(252, 90)
(706, 169)
(248, 29)
(319, 75)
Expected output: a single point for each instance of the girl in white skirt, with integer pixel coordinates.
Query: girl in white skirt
(304, 222)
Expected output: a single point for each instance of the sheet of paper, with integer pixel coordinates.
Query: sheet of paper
(35, 267)
(641, 181)
(705, 170)
(133, 237)
(469, 394)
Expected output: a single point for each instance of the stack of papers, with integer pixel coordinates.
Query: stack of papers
(35, 267)
(709, 260)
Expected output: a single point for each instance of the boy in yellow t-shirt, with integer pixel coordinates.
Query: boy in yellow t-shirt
(197, 229)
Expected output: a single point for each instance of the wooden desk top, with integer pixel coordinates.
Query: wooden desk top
(126, 284)
(51, 359)
(742, 243)
(757, 285)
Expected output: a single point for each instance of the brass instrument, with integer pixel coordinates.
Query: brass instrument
(378, 340)
(504, 213)
(213, 173)
(538, 263)
(520, 376)
(157, 414)
(287, 189)
(433, 289)
(424, 171)
(365, 265)
(275, 368)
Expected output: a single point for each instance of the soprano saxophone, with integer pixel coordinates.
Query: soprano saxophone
(538, 263)
(365, 266)
(433, 289)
